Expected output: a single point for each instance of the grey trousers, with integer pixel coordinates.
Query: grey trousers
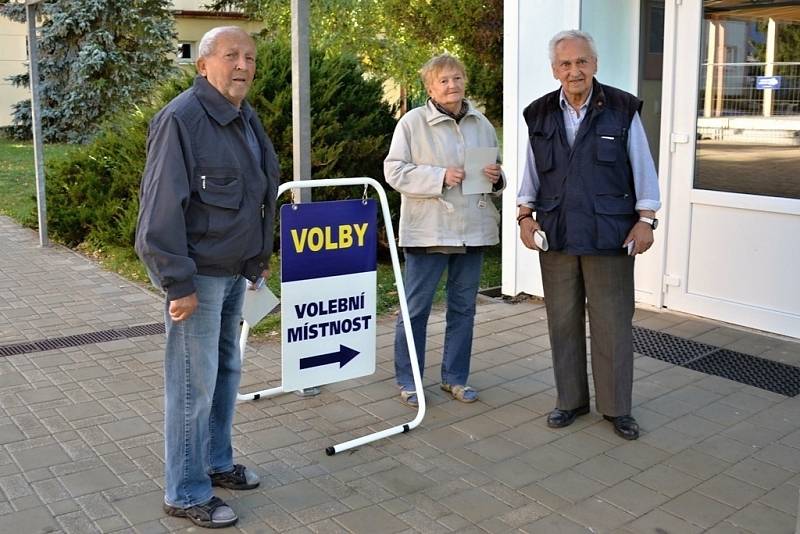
(604, 286)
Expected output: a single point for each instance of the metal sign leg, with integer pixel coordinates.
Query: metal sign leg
(264, 393)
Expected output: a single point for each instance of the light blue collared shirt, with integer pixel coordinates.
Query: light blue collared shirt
(645, 178)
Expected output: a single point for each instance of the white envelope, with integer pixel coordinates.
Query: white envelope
(257, 304)
(540, 239)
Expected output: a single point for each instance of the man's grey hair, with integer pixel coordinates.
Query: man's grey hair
(209, 41)
(569, 35)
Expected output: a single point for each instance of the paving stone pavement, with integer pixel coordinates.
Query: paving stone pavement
(81, 446)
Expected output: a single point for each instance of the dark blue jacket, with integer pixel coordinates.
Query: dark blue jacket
(206, 203)
(586, 199)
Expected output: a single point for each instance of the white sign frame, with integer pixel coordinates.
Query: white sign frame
(401, 293)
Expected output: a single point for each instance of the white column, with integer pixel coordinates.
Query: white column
(769, 67)
(528, 27)
(712, 39)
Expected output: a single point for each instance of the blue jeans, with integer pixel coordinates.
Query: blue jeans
(201, 379)
(422, 274)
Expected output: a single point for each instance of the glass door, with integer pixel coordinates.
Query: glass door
(732, 155)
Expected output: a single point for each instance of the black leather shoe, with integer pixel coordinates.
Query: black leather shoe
(625, 426)
(560, 418)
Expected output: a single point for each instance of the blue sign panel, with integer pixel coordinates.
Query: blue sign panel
(768, 82)
(328, 292)
(321, 239)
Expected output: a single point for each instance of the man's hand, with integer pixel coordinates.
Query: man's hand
(453, 176)
(642, 236)
(492, 172)
(527, 227)
(260, 282)
(182, 308)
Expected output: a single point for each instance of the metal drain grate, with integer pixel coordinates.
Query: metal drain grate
(743, 368)
(739, 367)
(81, 339)
(668, 348)
(772, 376)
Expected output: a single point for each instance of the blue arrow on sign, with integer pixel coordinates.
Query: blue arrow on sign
(342, 357)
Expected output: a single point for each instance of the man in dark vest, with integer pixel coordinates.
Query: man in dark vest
(592, 185)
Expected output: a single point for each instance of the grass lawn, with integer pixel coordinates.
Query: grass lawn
(18, 179)
(18, 201)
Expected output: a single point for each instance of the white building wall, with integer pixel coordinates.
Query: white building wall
(614, 24)
(529, 25)
(13, 55)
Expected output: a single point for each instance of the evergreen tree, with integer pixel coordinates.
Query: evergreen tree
(96, 58)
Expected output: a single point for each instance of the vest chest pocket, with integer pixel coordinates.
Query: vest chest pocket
(542, 146)
(219, 186)
(608, 143)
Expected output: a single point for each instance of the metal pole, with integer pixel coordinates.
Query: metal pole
(301, 112)
(36, 121)
(301, 99)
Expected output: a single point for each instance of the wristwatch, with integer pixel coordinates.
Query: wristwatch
(652, 222)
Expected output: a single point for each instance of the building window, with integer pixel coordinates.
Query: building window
(185, 52)
(653, 57)
(747, 138)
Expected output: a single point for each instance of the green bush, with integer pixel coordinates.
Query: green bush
(93, 193)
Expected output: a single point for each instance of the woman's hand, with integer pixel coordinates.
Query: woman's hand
(492, 172)
(453, 176)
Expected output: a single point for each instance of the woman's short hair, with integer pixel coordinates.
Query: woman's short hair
(438, 63)
(569, 35)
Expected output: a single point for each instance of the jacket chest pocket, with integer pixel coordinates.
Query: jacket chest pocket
(219, 186)
(542, 146)
(608, 142)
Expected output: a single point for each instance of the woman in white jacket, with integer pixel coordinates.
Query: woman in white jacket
(441, 228)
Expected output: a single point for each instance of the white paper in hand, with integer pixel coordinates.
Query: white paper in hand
(475, 159)
(257, 304)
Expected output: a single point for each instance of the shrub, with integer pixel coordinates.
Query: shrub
(93, 193)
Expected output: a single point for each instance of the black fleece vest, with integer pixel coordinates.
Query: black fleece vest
(586, 197)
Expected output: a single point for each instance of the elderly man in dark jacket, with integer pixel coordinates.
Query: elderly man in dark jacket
(591, 181)
(207, 204)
